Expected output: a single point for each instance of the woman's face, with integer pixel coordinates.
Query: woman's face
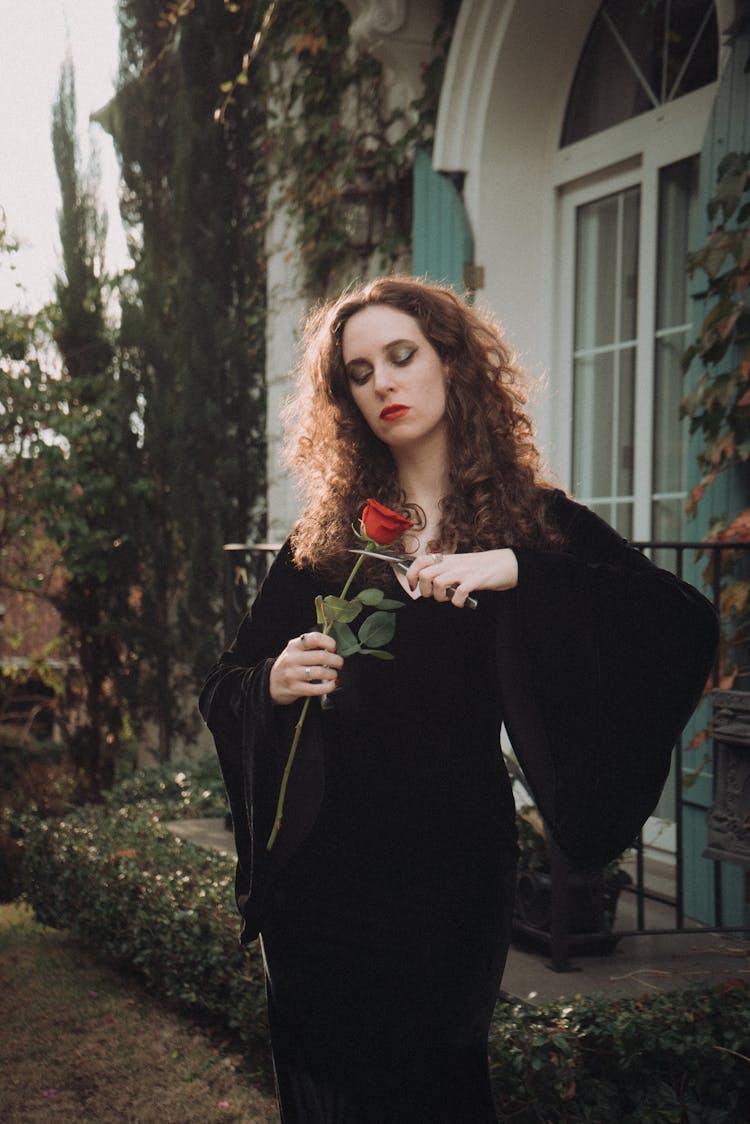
(396, 378)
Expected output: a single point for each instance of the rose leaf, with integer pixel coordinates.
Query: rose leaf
(337, 609)
(370, 596)
(378, 630)
(346, 642)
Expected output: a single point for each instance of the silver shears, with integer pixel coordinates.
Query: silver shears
(402, 562)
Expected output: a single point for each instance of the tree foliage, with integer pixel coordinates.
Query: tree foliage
(90, 487)
(192, 334)
(27, 557)
(65, 476)
(339, 152)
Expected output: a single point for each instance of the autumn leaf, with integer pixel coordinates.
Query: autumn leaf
(698, 739)
(734, 597)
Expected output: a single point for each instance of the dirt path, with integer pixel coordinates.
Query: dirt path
(78, 1042)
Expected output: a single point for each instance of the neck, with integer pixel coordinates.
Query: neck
(423, 476)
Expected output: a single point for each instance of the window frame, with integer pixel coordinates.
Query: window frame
(627, 155)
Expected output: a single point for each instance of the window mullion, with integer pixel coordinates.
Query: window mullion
(631, 60)
(644, 372)
(665, 50)
(693, 47)
(614, 487)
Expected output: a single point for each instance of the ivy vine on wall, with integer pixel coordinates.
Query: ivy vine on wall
(338, 161)
(719, 404)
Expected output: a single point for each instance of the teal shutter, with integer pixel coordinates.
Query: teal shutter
(442, 240)
(728, 131)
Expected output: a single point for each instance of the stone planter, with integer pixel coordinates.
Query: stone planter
(729, 815)
(584, 916)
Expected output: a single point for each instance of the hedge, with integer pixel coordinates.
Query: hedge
(148, 901)
(142, 898)
(679, 1057)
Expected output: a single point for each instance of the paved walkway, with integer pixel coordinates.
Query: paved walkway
(637, 965)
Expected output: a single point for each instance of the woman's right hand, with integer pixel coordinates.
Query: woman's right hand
(309, 665)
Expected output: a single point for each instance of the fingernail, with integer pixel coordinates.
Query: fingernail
(337, 681)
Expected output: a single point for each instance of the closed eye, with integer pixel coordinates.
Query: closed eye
(402, 356)
(359, 373)
(400, 353)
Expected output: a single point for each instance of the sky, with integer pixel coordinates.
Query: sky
(34, 37)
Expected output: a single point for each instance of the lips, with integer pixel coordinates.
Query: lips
(394, 412)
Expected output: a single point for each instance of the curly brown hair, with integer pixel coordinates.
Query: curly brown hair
(493, 498)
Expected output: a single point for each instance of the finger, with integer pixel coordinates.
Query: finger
(420, 566)
(426, 586)
(320, 682)
(319, 658)
(318, 673)
(440, 589)
(457, 596)
(312, 641)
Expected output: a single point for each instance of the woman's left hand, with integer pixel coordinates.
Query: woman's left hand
(434, 574)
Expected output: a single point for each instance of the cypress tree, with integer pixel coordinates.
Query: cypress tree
(90, 485)
(193, 325)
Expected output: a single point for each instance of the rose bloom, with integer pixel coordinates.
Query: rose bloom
(383, 525)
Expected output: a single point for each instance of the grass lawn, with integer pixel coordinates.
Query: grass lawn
(80, 1042)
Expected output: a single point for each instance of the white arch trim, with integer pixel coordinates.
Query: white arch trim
(469, 76)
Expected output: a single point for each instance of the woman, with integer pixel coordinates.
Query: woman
(385, 904)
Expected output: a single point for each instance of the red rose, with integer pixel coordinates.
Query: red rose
(381, 524)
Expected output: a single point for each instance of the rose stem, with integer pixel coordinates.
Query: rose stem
(301, 721)
(287, 771)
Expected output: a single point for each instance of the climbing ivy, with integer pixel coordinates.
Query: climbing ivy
(338, 161)
(718, 406)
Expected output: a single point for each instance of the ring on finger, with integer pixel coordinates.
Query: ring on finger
(436, 559)
(308, 674)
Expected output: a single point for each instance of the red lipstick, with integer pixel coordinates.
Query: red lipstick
(393, 412)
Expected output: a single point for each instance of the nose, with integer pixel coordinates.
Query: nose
(382, 378)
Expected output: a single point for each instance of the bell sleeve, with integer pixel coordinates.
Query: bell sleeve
(253, 736)
(602, 658)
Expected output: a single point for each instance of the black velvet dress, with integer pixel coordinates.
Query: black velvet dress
(386, 934)
(385, 904)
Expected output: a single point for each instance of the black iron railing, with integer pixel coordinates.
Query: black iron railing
(694, 556)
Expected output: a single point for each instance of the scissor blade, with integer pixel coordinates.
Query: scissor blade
(402, 562)
(402, 559)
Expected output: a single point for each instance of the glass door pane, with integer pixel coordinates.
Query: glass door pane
(678, 186)
(606, 309)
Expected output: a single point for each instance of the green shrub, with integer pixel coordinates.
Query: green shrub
(680, 1057)
(190, 789)
(10, 857)
(35, 777)
(149, 902)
